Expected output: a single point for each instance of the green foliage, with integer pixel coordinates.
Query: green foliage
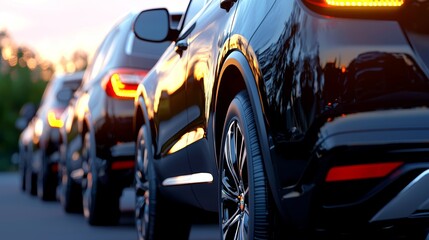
(19, 84)
(23, 78)
(16, 89)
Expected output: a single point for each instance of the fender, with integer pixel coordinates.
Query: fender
(86, 121)
(239, 61)
(140, 102)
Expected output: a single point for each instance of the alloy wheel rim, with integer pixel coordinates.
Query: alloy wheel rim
(142, 196)
(86, 182)
(234, 185)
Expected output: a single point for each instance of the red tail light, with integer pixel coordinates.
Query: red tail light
(365, 3)
(123, 83)
(358, 3)
(123, 165)
(54, 118)
(361, 171)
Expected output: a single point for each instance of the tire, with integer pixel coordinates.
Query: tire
(153, 212)
(71, 194)
(70, 191)
(30, 180)
(100, 204)
(244, 211)
(22, 173)
(46, 182)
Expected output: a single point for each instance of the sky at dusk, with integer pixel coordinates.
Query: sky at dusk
(56, 28)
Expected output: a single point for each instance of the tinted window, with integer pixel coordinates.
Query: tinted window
(146, 49)
(175, 20)
(193, 9)
(100, 57)
(139, 47)
(50, 96)
(73, 85)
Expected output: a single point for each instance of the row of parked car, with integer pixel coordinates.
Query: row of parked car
(80, 145)
(302, 119)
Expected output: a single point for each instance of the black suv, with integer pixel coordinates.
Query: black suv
(98, 142)
(298, 116)
(39, 142)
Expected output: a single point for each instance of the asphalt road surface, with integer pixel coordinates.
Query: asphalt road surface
(25, 217)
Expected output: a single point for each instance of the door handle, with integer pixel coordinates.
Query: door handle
(181, 46)
(227, 4)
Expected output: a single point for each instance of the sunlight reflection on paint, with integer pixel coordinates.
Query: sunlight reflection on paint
(187, 139)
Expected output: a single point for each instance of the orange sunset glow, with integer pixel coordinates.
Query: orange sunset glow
(56, 30)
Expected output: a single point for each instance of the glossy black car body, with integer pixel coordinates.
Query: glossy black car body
(329, 103)
(39, 142)
(99, 147)
(25, 125)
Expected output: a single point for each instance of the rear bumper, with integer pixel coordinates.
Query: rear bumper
(397, 200)
(118, 170)
(359, 205)
(399, 197)
(411, 202)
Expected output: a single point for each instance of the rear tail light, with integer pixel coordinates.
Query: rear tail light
(361, 171)
(358, 3)
(54, 118)
(123, 165)
(54, 167)
(365, 3)
(123, 83)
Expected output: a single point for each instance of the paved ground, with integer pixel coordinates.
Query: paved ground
(24, 217)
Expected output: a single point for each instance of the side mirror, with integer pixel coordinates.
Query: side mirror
(26, 113)
(21, 123)
(153, 25)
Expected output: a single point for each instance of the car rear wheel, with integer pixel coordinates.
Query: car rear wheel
(30, 181)
(71, 194)
(22, 170)
(46, 182)
(153, 212)
(244, 211)
(100, 204)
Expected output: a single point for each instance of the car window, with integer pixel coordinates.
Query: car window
(194, 8)
(175, 20)
(137, 47)
(100, 57)
(153, 50)
(73, 85)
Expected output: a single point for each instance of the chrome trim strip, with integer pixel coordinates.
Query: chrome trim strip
(77, 174)
(413, 197)
(188, 179)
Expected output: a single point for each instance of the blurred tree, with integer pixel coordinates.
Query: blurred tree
(77, 62)
(23, 78)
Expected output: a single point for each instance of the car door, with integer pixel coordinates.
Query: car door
(170, 115)
(167, 105)
(205, 45)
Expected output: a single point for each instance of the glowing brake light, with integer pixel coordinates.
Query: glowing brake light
(361, 171)
(123, 83)
(365, 3)
(54, 119)
(358, 4)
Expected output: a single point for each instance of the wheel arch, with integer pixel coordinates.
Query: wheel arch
(237, 67)
(86, 127)
(139, 118)
(141, 114)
